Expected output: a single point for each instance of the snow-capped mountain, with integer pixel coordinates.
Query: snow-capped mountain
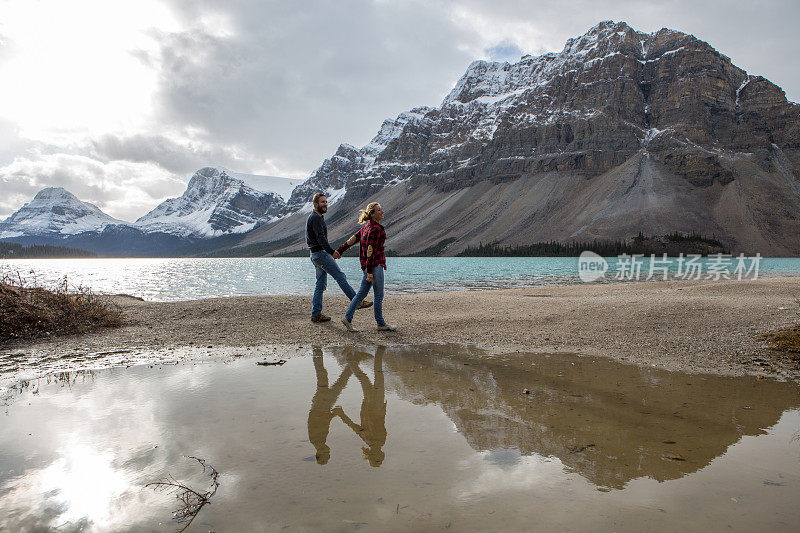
(55, 212)
(335, 173)
(218, 202)
(620, 132)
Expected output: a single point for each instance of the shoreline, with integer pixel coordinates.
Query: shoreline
(694, 326)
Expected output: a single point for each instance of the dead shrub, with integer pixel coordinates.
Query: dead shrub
(28, 310)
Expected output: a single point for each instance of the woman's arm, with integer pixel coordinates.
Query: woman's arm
(349, 242)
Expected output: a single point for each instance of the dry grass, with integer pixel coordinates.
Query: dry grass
(29, 311)
(785, 339)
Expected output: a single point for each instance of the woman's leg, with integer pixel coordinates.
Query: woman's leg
(377, 290)
(360, 295)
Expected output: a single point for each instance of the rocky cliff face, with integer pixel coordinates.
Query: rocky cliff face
(621, 131)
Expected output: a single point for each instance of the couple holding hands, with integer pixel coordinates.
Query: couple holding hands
(372, 256)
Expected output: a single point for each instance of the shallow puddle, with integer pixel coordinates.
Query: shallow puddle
(396, 438)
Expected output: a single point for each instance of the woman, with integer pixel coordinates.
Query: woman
(371, 237)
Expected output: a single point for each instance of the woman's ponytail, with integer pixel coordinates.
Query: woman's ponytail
(365, 215)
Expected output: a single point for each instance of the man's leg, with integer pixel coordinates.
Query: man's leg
(328, 263)
(319, 288)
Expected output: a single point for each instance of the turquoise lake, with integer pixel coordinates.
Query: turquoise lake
(177, 279)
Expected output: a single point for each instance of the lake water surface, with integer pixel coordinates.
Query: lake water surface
(189, 279)
(401, 438)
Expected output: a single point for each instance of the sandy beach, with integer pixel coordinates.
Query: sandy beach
(696, 326)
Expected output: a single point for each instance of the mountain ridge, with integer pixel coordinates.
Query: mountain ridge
(216, 202)
(620, 132)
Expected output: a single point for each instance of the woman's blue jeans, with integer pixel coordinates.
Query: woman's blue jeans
(377, 289)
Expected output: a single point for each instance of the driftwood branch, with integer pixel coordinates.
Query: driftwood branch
(191, 500)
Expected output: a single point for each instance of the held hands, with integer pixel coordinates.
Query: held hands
(337, 255)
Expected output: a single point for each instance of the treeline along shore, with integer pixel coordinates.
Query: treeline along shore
(672, 244)
(10, 250)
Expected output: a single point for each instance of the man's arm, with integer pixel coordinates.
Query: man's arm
(319, 233)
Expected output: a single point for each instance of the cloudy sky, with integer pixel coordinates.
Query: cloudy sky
(120, 102)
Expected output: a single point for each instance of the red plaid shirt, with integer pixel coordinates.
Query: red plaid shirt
(372, 237)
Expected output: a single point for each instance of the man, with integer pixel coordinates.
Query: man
(323, 257)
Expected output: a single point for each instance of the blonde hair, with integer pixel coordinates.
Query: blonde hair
(366, 214)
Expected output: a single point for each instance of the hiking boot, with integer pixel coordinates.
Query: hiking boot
(364, 304)
(348, 325)
(387, 327)
(320, 318)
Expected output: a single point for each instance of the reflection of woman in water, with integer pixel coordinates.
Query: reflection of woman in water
(322, 412)
(373, 411)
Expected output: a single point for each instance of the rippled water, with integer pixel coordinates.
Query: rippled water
(413, 438)
(188, 279)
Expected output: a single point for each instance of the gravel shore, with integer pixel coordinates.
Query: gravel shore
(695, 326)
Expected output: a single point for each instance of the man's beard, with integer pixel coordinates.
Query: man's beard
(322, 209)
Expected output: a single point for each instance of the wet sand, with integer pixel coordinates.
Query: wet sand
(695, 326)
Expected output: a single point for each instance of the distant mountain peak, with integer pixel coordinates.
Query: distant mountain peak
(56, 212)
(54, 192)
(218, 201)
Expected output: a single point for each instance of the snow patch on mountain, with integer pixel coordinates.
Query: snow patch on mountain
(332, 195)
(283, 187)
(390, 130)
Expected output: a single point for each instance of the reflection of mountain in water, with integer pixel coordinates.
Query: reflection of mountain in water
(609, 422)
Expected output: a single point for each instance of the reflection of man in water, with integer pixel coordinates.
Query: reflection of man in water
(322, 412)
(373, 411)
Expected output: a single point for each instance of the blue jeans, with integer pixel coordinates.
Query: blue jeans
(326, 264)
(377, 289)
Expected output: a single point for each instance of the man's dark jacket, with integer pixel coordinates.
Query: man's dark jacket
(317, 233)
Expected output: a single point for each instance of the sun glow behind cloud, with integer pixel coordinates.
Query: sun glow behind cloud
(76, 68)
(81, 488)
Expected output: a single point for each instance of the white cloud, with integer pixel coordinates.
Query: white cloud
(146, 92)
(71, 70)
(291, 84)
(123, 189)
(180, 156)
